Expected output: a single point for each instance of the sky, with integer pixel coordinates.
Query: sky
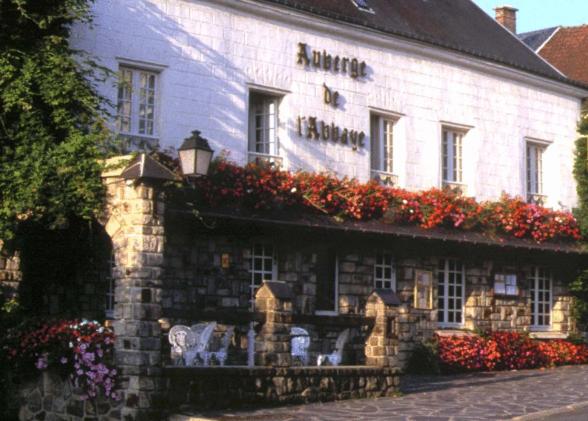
(539, 14)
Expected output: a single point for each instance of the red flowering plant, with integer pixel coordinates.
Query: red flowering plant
(266, 187)
(80, 350)
(506, 351)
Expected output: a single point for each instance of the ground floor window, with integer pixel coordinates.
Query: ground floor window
(110, 285)
(541, 298)
(450, 292)
(384, 272)
(327, 291)
(263, 266)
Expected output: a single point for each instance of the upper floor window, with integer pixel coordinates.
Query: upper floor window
(137, 102)
(452, 162)
(263, 127)
(382, 149)
(534, 169)
(385, 272)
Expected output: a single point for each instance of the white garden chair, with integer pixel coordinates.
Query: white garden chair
(203, 332)
(222, 353)
(299, 343)
(181, 339)
(336, 356)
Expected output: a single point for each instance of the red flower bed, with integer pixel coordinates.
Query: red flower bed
(265, 187)
(81, 350)
(506, 351)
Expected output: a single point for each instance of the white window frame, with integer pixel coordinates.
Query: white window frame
(385, 261)
(268, 149)
(135, 102)
(540, 274)
(253, 285)
(534, 170)
(445, 271)
(334, 312)
(382, 147)
(110, 288)
(452, 156)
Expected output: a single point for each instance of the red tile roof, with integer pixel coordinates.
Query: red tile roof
(568, 51)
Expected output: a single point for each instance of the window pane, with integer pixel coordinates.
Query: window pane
(124, 102)
(450, 287)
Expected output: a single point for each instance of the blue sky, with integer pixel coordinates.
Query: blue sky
(538, 14)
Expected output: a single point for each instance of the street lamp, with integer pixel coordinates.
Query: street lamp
(195, 155)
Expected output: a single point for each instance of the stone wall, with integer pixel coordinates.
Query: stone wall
(195, 278)
(51, 398)
(239, 386)
(59, 273)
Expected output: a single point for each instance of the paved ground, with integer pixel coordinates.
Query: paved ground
(554, 394)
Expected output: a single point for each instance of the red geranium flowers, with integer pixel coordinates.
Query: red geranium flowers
(265, 187)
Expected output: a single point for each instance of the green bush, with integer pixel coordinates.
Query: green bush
(424, 359)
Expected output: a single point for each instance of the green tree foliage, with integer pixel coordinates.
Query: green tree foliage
(51, 125)
(580, 286)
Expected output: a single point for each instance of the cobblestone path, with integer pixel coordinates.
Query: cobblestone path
(480, 396)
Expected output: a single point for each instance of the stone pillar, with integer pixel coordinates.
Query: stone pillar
(135, 222)
(382, 344)
(272, 346)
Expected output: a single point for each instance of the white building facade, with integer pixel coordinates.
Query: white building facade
(316, 94)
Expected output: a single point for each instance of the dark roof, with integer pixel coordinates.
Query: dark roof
(381, 227)
(535, 39)
(568, 51)
(144, 166)
(458, 25)
(387, 296)
(279, 289)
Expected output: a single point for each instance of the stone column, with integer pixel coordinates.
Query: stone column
(135, 223)
(382, 344)
(272, 346)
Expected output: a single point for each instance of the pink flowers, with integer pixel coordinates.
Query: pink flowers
(81, 350)
(263, 187)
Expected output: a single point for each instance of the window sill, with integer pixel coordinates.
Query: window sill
(536, 198)
(265, 158)
(326, 313)
(385, 178)
(540, 329)
(547, 334)
(453, 332)
(454, 185)
(450, 326)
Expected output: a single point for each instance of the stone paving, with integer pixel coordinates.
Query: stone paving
(480, 396)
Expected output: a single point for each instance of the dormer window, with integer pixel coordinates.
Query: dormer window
(362, 5)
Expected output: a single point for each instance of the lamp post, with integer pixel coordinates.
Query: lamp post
(195, 155)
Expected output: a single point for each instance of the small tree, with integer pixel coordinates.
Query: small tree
(51, 125)
(580, 286)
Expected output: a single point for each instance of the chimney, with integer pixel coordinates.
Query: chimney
(507, 17)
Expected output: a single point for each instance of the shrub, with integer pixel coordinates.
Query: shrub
(506, 351)
(424, 359)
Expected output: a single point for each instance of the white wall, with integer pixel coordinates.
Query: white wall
(209, 53)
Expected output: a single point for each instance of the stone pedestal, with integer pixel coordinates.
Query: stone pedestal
(272, 346)
(382, 345)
